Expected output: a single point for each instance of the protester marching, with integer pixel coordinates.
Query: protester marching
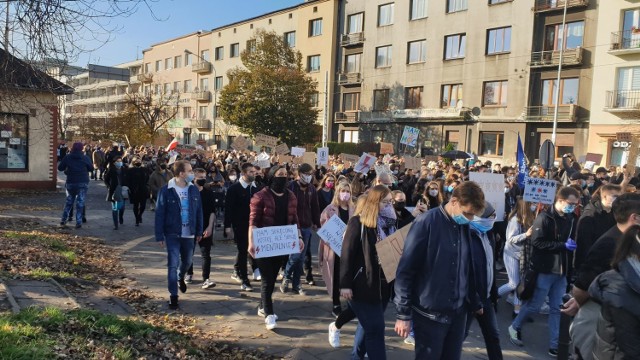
(425, 237)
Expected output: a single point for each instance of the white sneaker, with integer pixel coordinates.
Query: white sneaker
(208, 284)
(544, 309)
(334, 335)
(188, 279)
(280, 276)
(410, 340)
(510, 298)
(270, 322)
(256, 275)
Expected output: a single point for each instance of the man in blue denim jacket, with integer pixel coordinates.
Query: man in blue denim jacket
(178, 223)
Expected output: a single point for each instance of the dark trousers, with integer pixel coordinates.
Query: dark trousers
(369, 338)
(438, 341)
(489, 325)
(205, 250)
(307, 262)
(345, 316)
(269, 268)
(241, 235)
(335, 292)
(138, 209)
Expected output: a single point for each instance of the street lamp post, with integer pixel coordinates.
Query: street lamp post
(557, 85)
(215, 92)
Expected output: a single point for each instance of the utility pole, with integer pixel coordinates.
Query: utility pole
(557, 84)
(325, 120)
(6, 29)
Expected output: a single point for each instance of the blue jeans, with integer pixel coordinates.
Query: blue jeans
(489, 326)
(435, 340)
(75, 192)
(369, 338)
(293, 270)
(180, 258)
(554, 286)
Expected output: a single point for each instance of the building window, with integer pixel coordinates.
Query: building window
(413, 97)
(251, 45)
(157, 89)
(380, 100)
(177, 62)
(187, 137)
(493, 2)
(452, 138)
(218, 140)
(456, 5)
(350, 136)
(167, 88)
(351, 101)
(147, 67)
(352, 63)
(14, 155)
(218, 83)
(219, 53)
(187, 86)
(216, 112)
(491, 143)
(188, 59)
(168, 64)
(495, 93)
(158, 65)
(315, 27)
(383, 56)
(204, 84)
(568, 91)
(499, 40)
(570, 38)
(290, 38)
(418, 9)
(234, 50)
(176, 86)
(451, 94)
(355, 23)
(204, 55)
(202, 137)
(377, 135)
(454, 46)
(416, 51)
(313, 63)
(314, 100)
(202, 112)
(186, 112)
(385, 14)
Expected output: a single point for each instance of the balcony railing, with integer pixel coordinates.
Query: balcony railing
(625, 42)
(551, 5)
(551, 58)
(201, 67)
(623, 100)
(145, 78)
(375, 116)
(201, 95)
(201, 124)
(346, 117)
(352, 39)
(566, 113)
(349, 78)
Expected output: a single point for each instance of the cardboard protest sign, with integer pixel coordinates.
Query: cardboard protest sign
(596, 158)
(589, 165)
(332, 233)
(411, 162)
(285, 159)
(410, 136)
(297, 151)
(539, 190)
(386, 148)
(309, 158)
(492, 186)
(349, 158)
(323, 156)
(365, 162)
(282, 149)
(240, 143)
(390, 250)
(276, 240)
(266, 140)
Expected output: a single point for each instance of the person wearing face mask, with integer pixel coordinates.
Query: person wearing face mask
(362, 281)
(552, 243)
(138, 188)
(178, 223)
(326, 189)
(76, 166)
(158, 178)
(434, 195)
(481, 232)
(309, 217)
(404, 217)
(435, 285)
(116, 178)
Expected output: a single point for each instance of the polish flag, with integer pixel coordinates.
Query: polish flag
(172, 145)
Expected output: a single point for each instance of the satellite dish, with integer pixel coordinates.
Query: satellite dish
(476, 111)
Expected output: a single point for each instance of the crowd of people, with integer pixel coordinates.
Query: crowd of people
(586, 243)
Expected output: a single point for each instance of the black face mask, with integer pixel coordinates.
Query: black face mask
(278, 184)
(250, 178)
(163, 166)
(399, 205)
(137, 164)
(201, 182)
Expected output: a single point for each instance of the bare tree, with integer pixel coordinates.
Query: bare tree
(154, 110)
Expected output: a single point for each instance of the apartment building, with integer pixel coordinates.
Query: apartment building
(195, 65)
(100, 93)
(615, 101)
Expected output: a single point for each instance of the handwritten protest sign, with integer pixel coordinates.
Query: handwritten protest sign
(285, 159)
(240, 143)
(332, 232)
(596, 158)
(282, 149)
(410, 136)
(263, 161)
(323, 156)
(386, 148)
(276, 240)
(266, 140)
(349, 158)
(411, 162)
(390, 250)
(309, 158)
(365, 162)
(297, 151)
(538, 190)
(493, 187)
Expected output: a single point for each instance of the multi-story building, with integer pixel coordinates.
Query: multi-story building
(195, 65)
(615, 102)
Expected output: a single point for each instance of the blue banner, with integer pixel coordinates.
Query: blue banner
(522, 164)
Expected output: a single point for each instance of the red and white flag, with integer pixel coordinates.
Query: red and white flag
(172, 145)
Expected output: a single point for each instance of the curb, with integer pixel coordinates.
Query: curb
(65, 292)
(15, 308)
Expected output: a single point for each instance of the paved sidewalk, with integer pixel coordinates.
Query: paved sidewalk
(231, 314)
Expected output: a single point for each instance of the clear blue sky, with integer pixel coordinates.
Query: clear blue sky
(177, 17)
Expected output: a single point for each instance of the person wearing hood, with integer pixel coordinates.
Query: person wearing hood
(618, 290)
(77, 167)
(138, 187)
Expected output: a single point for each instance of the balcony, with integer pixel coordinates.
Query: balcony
(347, 79)
(352, 39)
(623, 103)
(625, 42)
(551, 58)
(553, 5)
(566, 113)
(201, 95)
(201, 124)
(346, 117)
(203, 67)
(145, 78)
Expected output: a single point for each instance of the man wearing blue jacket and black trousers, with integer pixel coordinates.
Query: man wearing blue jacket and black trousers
(178, 223)
(435, 283)
(76, 166)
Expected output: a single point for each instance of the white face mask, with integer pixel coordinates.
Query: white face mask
(232, 177)
(533, 208)
(433, 193)
(506, 190)
(306, 178)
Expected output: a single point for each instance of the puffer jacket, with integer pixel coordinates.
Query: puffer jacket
(550, 233)
(76, 166)
(618, 332)
(594, 222)
(263, 209)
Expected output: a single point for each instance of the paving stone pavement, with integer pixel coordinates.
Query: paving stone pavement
(231, 314)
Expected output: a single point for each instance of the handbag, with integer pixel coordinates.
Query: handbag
(527, 284)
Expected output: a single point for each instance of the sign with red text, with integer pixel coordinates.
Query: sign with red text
(275, 241)
(537, 190)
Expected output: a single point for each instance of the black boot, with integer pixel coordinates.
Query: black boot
(173, 302)
(114, 214)
(121, 216)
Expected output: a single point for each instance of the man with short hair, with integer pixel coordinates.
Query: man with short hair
(435, 283)
(77, 167)
(178, 223)
(209, 219)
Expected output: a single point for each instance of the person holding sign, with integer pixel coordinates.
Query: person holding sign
(362, 281)
(274, 205)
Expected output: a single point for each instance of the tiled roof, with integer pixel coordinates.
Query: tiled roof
(16, 74)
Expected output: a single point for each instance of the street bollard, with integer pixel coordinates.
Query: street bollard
(564, 339)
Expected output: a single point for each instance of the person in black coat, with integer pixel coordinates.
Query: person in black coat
(116, 178)
(208, 224)
(138, 178)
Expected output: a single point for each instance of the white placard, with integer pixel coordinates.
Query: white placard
(323, 156)
(332, 233)
(276, 240)
(365, 162)
(537, 190)
(297, 151)
(14, 141)
(5, 134)
(589, 165)
(493, 187)
(3, 144)
(282, 149)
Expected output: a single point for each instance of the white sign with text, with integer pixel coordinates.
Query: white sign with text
(275, 241)
(332, 233)
(493, 187)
